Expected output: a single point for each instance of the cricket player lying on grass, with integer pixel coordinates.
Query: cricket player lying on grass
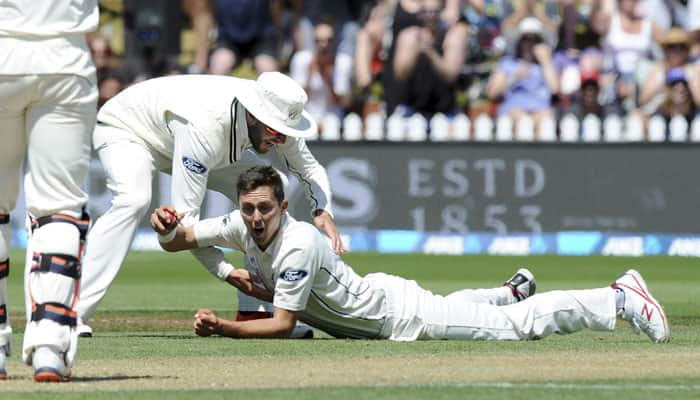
(305, 280)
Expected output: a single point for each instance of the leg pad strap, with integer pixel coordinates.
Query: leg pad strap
(4, 268)
(55, 312)
(82, 224)
(63, 264)
(3, 314)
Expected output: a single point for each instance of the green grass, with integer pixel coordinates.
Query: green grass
(144, 346)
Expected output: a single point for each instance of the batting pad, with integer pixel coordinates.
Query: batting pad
(52, 285)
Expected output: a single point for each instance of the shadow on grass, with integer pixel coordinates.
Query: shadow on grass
(118, 378)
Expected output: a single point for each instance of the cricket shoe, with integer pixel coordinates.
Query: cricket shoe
(641, 309)
(83, 330)
(522, 284)
(302, 331)
(50, 365)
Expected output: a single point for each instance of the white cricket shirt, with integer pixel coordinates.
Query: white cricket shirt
(305, 275)
(217, 120)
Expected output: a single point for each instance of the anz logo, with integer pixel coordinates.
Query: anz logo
(194, 166)
(293, 276)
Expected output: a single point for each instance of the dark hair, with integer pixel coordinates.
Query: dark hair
(261, 175)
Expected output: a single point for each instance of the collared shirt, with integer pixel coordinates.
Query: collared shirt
(217, 122)
(305, 275)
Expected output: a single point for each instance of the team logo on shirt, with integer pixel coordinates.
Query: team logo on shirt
(193, 165)
(293, 276)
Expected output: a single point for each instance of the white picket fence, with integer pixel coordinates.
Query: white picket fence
(440, 128)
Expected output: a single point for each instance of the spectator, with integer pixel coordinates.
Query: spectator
(585, 101)
(246, 29)
(545, 11)
(427, 61)
(369, 45)
(405, 15)
(345, 13)
(201, 18)
(679, 100)
(676, 48)
(324, 75)
(109, 85)
(628, 39)
(526, 83)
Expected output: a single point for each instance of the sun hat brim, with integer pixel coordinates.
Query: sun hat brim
(252, 100)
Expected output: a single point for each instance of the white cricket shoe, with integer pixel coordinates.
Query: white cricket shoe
(83, 330)
(302, 331)
(3, 357)
(641, 310)
(49, 365)
(522, 283)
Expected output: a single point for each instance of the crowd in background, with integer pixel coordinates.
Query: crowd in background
(540, 58)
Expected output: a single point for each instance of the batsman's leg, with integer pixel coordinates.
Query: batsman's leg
(5, 329)
(12, 148)
(59, 127)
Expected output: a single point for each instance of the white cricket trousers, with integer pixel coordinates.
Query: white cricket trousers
(418, 314)
(50, 119)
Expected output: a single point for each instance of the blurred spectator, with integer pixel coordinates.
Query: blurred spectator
(526, 83)
(246, 29)
(575, 30)
(545, 11)
(679, 100)
(628, 39)
(345, 13)
(670, 13)
(109, 85)
(585, 101)
(201, 18)
(110, 79)
(405, 15)
(324, 75)
(427, 61)
(694, 28)
(676, 49)
(369, 46)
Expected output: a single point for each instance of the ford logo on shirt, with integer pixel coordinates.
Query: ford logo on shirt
(194, 166)
(293, 276)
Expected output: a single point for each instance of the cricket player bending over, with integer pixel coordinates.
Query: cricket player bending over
(203, 130)
(307, 281)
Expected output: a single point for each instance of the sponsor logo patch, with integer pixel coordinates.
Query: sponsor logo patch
(193, 165)
(293, 276)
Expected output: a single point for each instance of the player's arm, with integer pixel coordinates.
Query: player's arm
(206, 323)
(172, 236)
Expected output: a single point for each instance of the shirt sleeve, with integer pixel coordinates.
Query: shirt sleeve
(294, 282)
(227, 231)
(312, 175)
(192, 160)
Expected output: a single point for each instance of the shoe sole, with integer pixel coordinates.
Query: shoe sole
(50, 375)
(85, 334)
(643, 291)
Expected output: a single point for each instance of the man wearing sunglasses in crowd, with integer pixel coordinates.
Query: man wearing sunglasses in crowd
(204, 131)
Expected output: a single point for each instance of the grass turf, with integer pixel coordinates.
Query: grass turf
(144, 346)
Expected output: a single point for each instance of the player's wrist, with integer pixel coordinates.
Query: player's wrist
(168, 237)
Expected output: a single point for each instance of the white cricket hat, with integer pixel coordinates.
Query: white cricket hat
(278, 101)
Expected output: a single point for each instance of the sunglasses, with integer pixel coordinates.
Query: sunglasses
(276, 134)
